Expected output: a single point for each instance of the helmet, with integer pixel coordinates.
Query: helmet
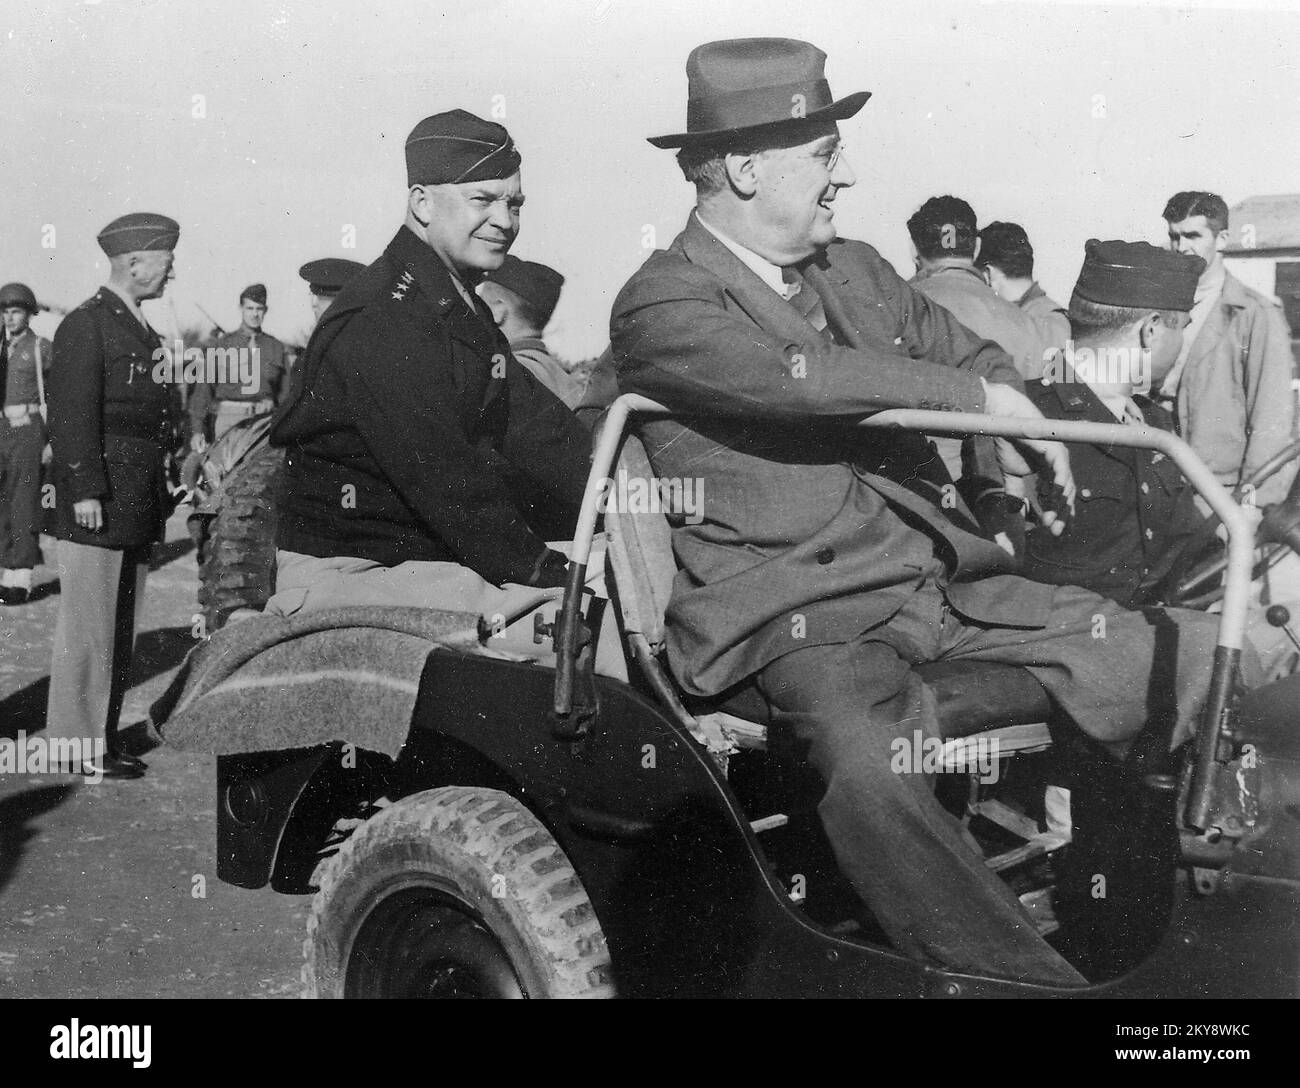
(18, 294)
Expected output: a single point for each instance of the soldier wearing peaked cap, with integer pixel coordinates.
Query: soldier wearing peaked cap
(1136, 525)
(823, 571)
(24, 362)
(326, 278)
(112, 428)
(410, 429)
(522, 296)
(255, 377)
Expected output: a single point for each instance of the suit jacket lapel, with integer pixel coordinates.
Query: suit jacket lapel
(765, 307)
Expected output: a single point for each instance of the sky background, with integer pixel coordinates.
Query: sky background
(273, 131)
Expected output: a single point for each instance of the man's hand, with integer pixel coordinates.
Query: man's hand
(89, 514)
(1005, 401)
(198, 443)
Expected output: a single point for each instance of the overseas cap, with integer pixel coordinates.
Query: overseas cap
(535, 283)
(455, 147)
(18, 294)
(139, 231)
(329, 275)
(254, 293)
(1138, 275)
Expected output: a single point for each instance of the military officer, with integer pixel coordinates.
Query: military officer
(1136, 526)
(409, 426)
(24, 361)
(325, 278)
(111, 430)
(256, 373)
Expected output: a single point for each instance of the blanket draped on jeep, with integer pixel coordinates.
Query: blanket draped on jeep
(339, 674)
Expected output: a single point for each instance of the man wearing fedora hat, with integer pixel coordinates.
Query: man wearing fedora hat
(830, 559)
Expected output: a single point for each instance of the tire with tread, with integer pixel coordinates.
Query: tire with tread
(486, 855)
(238, 568)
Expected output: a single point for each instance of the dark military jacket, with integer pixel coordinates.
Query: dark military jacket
(1136, 529)
(271, 376)
(112, 424)
(412, 434)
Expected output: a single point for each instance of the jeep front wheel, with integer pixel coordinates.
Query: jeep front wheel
(453, 892)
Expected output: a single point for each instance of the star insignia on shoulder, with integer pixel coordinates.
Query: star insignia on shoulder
(403, 285)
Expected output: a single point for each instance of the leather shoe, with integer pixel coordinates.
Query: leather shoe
(14, 595)
(126, 758)
(111, 767)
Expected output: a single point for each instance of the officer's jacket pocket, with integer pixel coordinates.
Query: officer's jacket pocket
(133, 468)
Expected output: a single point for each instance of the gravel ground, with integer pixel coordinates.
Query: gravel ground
(110, 890)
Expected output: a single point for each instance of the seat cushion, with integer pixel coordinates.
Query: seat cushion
(977, 695)
(972, 695)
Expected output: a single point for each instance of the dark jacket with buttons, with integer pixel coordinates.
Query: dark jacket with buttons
(111, 423)
(412, 434)
(1136, 529)
(812, 530)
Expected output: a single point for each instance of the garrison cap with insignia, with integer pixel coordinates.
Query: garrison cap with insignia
(254, 293)
(329, 275)
(139, 231)
(535, 283)
(456, 147)
(1137, 275)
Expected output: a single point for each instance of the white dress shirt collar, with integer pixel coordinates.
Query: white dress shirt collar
(764, 269)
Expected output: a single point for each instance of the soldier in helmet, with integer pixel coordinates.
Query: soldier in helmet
(111, 428)
(24, 360)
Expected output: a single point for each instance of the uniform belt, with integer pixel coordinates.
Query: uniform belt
(33, 407)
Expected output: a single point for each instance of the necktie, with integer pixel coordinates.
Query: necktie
(804, 299)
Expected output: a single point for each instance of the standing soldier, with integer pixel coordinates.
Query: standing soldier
(111, 428)
(24, 360)
(1007, 259)
(1231, 386)
(255, 378)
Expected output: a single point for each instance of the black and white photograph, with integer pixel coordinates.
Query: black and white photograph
(628, 499)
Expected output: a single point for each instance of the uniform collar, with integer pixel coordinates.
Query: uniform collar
(949, 264)
(529, 343)
(1034, 292)
(426, 268)
(21, 336)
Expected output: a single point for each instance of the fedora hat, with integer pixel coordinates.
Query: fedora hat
(755, 83)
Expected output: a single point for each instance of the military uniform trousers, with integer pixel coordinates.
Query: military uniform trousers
(20, 489)
(101, 591)
(841, 706)
(307, 582)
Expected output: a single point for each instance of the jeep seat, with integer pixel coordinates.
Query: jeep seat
(972, 697)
